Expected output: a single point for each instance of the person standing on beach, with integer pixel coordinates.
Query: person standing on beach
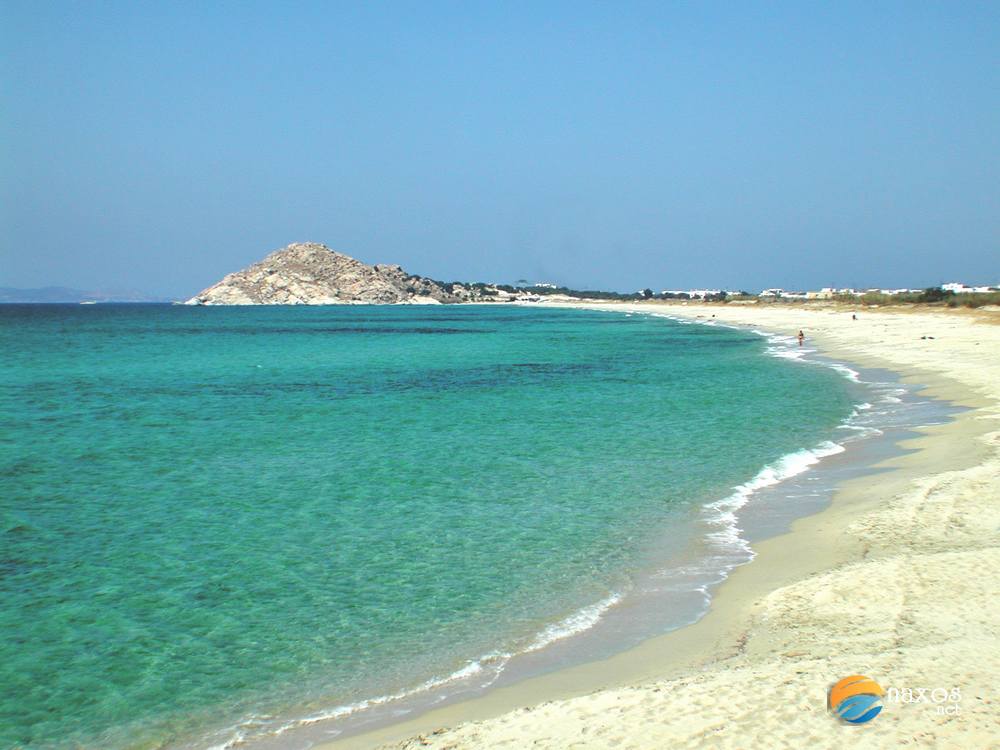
(802, 337)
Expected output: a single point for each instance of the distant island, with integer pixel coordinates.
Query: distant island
(62, 294)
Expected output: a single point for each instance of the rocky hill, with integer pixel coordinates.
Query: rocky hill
(308, 273)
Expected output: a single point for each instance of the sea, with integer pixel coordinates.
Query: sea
(266, 527)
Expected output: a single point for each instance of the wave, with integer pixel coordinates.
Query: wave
(578, 622)
(254, 727)
(489, 665)
(723, 512)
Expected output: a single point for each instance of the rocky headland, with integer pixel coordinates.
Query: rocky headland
(308, 273)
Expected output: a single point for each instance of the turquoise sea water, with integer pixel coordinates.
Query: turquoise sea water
(211, 517)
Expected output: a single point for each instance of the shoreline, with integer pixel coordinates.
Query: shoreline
(661, 595)
(736, 647)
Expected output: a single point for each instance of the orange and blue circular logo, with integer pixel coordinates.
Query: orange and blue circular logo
(856, 699)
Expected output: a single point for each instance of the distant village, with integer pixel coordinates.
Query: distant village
(955, 287)
(532, 292)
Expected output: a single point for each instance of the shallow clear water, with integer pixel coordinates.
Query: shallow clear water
(210, 514)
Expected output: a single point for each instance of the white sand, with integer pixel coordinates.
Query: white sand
(898, 580)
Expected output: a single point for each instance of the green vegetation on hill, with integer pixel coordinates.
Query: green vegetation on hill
(931, 296)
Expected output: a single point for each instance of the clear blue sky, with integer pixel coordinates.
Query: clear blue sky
(159, 146)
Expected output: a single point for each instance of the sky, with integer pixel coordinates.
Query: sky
(159, 146)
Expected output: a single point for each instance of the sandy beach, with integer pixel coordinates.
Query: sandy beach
(896, 580)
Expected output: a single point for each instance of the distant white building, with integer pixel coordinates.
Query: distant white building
(826, 292)
(783, 294)
(692, 293)
(959, 288)
(829, 292)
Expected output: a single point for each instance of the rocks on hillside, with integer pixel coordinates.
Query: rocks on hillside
(308, 273)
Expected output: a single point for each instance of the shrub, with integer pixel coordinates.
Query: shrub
(934, 294)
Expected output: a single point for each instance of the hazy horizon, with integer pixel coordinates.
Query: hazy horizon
(605, 147)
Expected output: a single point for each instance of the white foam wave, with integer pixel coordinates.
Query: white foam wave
(722, 513)
(469, 670)
(849, 373)
(786, 347)
(782, 353)
(577, 622)
(862, 430)
(494, 662)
